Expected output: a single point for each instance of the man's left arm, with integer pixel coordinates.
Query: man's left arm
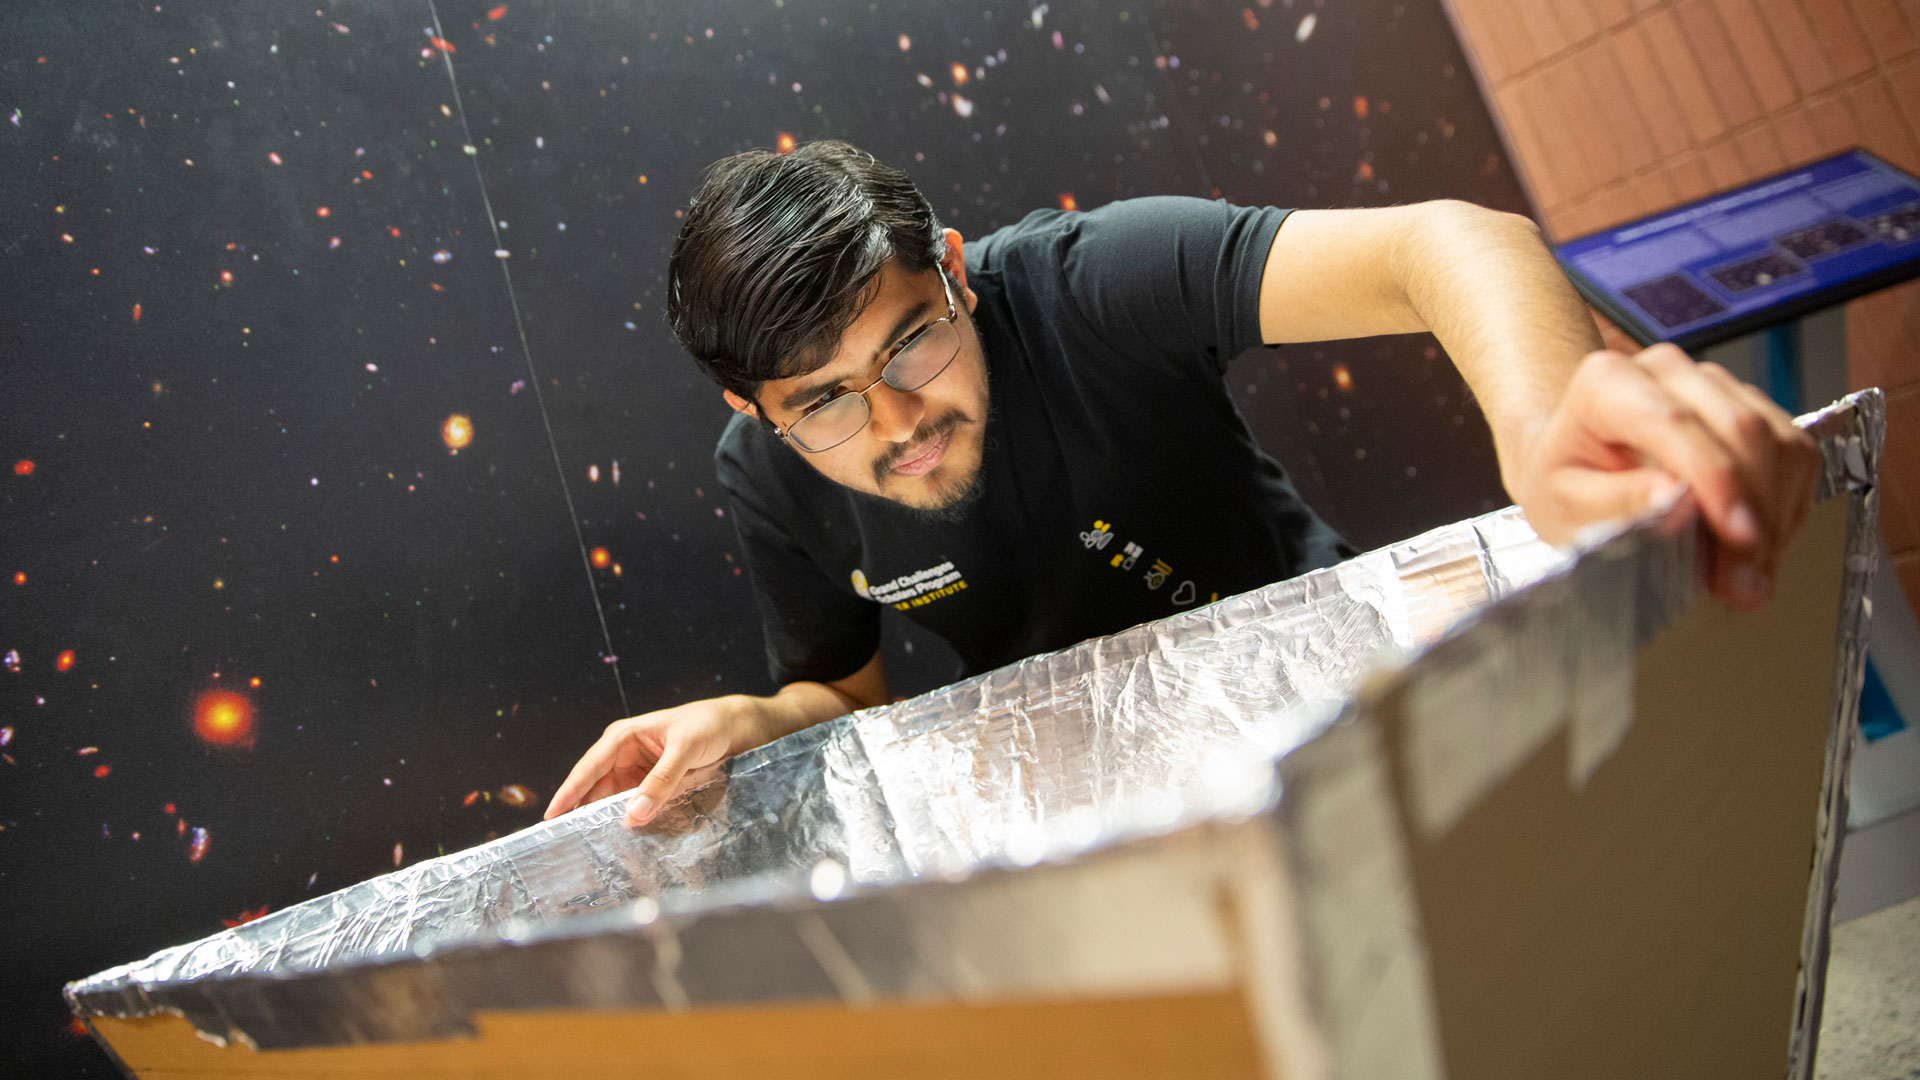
(1583, 434)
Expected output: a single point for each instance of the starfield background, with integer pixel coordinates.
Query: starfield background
(350, 480)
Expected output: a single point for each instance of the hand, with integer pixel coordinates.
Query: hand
(1631, 429)
(655, 751)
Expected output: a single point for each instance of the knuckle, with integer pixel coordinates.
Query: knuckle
(1664, 356)
(1599, 362)
(1752, 427)
(1594, 368)
(1719, 475)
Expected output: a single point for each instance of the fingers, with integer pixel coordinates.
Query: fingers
(1592, 495)
(655, 752)
(1740, 572)
(1743, 429)
(1630, 404)
(1629, 427)
(1798, 459)
(607, 785)
(1749, 425)
(1775, 461)
(662, 781)
(588, 773)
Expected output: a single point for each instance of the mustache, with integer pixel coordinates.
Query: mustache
(930, 432)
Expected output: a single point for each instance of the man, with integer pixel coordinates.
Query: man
(1023, 441)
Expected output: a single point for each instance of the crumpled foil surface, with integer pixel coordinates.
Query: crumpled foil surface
(1850, 433)
(1160, 724)
(1130, 749)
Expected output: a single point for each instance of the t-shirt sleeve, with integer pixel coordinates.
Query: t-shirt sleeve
(1171, 281)
(814, 629)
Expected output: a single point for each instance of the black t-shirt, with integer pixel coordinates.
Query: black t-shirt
(1121, 483)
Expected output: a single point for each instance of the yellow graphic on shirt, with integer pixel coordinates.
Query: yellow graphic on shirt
(1156, 576)
(909, 591)
(927, 598)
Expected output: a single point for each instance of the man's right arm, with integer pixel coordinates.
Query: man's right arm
(657, 750)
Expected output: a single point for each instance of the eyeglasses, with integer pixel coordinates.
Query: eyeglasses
(918, 361)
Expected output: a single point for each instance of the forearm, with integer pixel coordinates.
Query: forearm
(657, 750)
(804, 702)
(796, 707)
(1485, 285)
(1584, 435)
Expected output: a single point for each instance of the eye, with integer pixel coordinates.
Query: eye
(900, 345)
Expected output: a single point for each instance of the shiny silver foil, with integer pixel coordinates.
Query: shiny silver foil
(1063, 826)
(1850, 434)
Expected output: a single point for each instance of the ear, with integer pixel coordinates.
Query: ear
(955, 264)
(739, 404)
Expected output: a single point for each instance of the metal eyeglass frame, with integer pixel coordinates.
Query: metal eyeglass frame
(953, 312)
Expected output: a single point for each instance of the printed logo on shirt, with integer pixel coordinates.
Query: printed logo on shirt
(913, 590)
(1156, 576)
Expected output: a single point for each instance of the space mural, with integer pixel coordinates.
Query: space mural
(351, 479)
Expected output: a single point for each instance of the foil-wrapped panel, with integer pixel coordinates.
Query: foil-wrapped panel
(1212, 778)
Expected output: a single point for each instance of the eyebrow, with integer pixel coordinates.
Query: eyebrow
(806, 395)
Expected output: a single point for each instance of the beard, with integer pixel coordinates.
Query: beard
(957, 501)
(950, 502)
(923, 436)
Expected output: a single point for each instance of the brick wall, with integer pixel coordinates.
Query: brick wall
(1617, 108)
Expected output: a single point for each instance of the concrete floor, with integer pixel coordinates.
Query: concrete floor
(1871, 1026)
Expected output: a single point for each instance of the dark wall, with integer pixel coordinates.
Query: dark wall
(257, 257)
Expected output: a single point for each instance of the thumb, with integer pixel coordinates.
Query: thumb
(662, 782)
(1589, 496)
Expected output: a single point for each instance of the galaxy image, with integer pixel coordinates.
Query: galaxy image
(351, 480)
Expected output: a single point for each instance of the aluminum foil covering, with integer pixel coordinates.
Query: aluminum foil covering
(1560, 655)
(1850, 433)
(1064, 825)
(1166, 722)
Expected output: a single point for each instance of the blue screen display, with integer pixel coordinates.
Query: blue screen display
(1731, 257)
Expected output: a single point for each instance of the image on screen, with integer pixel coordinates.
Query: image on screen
(1758, 272)
(1673, 300)
(1897, 226)
(1755, 256)
(1826, 238)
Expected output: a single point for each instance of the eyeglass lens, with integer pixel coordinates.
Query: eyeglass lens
(913, 367)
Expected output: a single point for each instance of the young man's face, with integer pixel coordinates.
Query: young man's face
(920, 448)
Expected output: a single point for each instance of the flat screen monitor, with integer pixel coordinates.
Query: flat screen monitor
(1756, 256)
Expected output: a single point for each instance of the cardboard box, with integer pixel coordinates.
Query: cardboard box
(1462, 807)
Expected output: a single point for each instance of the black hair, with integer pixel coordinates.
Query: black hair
(781, 252)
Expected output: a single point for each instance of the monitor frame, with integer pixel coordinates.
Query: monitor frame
(1610, 302)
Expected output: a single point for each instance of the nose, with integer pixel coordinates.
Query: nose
(894, 415)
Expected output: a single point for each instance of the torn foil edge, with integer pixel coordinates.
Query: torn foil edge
(1851, 434)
